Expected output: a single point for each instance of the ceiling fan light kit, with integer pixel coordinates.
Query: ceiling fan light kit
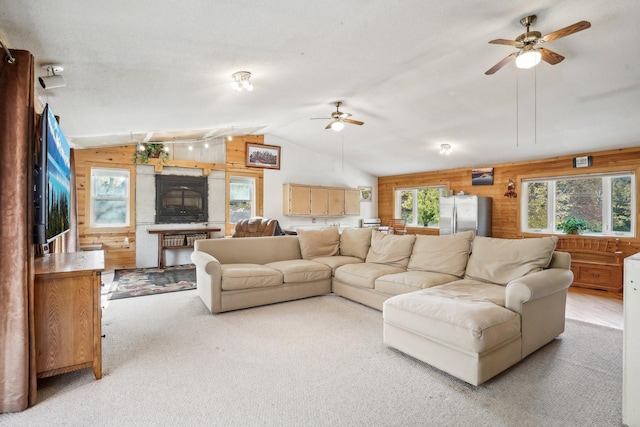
(337, 125)
(528, 55)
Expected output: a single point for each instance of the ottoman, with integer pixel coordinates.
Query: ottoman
(470, 338)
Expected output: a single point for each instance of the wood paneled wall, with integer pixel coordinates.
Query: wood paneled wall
(117, 253)
(506, 211)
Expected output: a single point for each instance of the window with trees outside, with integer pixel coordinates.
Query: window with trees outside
(420, 207)
(110, 197)
(606, 203)
(241, 198)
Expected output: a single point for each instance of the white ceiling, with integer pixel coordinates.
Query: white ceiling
(413, 71)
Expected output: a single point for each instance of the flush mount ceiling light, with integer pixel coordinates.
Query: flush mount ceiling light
(528, 57)
(445, 149)
(242, 81)
(53, 79)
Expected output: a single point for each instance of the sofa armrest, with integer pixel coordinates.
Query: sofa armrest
(535, 286)
(208, 280)
(207, 262)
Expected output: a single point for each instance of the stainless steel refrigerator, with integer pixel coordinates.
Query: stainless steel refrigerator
(462, 213)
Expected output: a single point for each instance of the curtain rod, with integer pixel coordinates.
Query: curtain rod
(9, 58)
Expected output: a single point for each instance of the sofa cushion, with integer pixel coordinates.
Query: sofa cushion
(390, 249)
(355, 242)
(470, 290)
(247, 276)
(301, 270)
(363, 275)
(322, 242)
(409, 281)
(471, 326)
(337, 261)
(442, 254)
(503, 260)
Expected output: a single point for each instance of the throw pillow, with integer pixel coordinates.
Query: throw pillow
(442, 254)
(390, 249)
(500, 261)
(317, 243)
(355, 242)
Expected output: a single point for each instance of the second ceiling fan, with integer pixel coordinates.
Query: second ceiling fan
(338, 119)
(529, 54)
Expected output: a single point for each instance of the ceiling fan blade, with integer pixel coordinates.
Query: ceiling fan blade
(501, 64)
(550, 56)
(320, 118)
(505, 41)
(353, 122)
(329, 125)
(563, 32)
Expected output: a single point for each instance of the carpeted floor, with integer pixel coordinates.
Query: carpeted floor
(314, 362)
(151, 281)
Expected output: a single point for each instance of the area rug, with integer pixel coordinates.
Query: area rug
(151, 281)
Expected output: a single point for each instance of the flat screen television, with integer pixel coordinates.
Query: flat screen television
(52, 181)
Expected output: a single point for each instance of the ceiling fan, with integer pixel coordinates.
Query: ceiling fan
(338, 119)
(529, 55)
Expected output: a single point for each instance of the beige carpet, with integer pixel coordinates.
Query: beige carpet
(313, 362)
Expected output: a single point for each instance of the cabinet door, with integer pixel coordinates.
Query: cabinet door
(351, 202)
(319, 201)
(336, 202)
(299, 199)
(64, 321)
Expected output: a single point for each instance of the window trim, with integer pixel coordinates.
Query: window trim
(129, 199)
(254, 192)
(444, 189)
(86, 195)
(593, 173)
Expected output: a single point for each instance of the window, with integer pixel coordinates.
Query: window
(241, 198)
(605, 201)
(110, 197)
(419, 206)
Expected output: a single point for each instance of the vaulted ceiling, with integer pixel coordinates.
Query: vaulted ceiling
(413, 71)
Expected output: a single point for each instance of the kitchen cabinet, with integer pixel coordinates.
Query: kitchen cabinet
(351, 201)
(318, 201)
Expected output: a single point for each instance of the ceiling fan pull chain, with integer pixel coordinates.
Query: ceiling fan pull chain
(535, 106)
(517, 109)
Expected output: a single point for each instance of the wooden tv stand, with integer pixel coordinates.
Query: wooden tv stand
(68, 330)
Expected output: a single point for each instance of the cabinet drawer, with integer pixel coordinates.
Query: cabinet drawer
(593, 274)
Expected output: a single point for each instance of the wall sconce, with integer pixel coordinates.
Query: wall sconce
(511, 190)
(242, 81)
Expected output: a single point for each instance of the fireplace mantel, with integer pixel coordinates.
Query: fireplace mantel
(159, 164)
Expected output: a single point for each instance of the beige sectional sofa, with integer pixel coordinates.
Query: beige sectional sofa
(470, 307)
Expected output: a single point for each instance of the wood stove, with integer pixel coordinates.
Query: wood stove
(181, 199)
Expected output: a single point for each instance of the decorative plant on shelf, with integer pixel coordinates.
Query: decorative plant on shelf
(150, 151)
(573, 225)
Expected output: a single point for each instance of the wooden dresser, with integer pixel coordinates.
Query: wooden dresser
(68, 313)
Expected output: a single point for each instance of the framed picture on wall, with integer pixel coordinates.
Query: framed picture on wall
(482, 176)
(366, 194)
(262, 156)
